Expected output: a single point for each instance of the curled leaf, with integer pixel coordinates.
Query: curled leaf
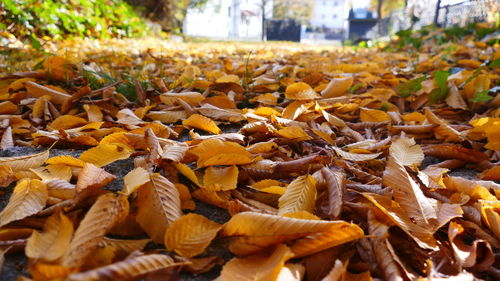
(190, 235)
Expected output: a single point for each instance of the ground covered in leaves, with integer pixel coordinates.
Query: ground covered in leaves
(168, 161)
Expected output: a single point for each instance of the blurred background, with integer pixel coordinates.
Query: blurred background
(307, 21)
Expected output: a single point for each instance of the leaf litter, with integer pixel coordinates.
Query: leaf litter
(317, 155)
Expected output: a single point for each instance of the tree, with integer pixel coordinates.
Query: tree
(299, 10)
(385, 8)
(170, 14)
(263, 10)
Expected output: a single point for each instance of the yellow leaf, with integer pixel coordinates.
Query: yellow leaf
(193, 98)
(300, 195)
(159, 205)
(37, 90)
(257, 267)
(108, 210)
(416, 117)
(128, 269)
(337, 87)
(300, 91)
(201, 122)
(7, 107)
(25, 162)
(355, 156)
(406, 152)
(6, 176)
(94, 113)
(473, 189)
(262, 147)
(189, 235)
(228, 78)
(167, 116)
(295, 133)
(221, 178)
(134, 179)
(489, 213)
(50, 244)
(340, 233)
(65, 160)
(187, 172)
(28, 198)
(67, 122)
(444, 130)
(493, 135)
(213, 152)
(373, 115)
(269, 186)
(255, 232)
(105, 154)
(55, 171)
(264, 111)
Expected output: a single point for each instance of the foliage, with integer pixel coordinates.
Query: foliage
(58, 19)
(298, 10)
(312, 158)
(430, 35)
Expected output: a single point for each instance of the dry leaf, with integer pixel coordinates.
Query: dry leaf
(25, 162)
(104, 154)
(201, 122)
(28, 198)
(50, 244)
(300, 195)
(264, 268)
(159, 205)
(406, 152)
(221, 178)
(214, 152)
(135, 179)
(107, 211)
(189, 235)
(127, 269)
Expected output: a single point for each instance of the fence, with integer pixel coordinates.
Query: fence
(460, 13)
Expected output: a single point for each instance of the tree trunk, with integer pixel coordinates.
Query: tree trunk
(263, 11)
(436, 14)
(379, 16)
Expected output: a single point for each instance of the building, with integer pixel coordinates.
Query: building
(329, 14)
(232, 19)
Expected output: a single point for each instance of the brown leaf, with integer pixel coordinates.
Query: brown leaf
(107, 211)
(131, 268)
(159, 205)
(335, 183)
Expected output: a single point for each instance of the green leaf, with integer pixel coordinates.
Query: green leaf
(414, 85)
(35, 43)
(441, 79)
(495, 63)
(355, 87)
(481, 97)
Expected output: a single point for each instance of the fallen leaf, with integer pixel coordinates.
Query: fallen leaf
(28, 198)
(189, 235)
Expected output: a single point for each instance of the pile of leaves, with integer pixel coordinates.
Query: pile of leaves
(333, 165)
(35, 19)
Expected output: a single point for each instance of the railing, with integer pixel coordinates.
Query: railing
(453, 14)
